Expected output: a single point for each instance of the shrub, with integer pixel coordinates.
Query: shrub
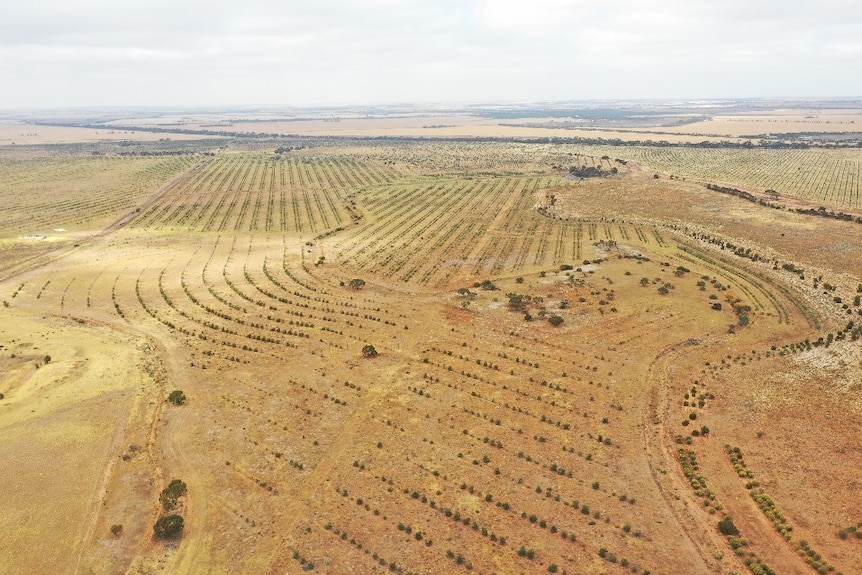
(116, 530)
(177, 397)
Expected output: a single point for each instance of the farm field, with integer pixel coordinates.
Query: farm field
(661, 122)
(430, 357)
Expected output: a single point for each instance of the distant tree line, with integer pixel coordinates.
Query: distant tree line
(819, 212)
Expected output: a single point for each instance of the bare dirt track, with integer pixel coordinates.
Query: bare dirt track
(482, 438)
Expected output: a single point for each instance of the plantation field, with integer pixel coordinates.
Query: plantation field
(43, 193)
(828, 178)
(427, 357)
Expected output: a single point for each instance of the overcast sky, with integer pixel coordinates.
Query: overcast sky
(330, 52)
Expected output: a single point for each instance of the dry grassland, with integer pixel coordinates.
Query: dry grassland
(482, 438)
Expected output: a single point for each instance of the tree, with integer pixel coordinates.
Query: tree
(357, 283)
(369, 352)
(727, 527)
(168, 527)
(177, 397)
(518, 302)
(170, 494)
(555, 320)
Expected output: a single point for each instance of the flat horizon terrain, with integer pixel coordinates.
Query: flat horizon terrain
(403, 355)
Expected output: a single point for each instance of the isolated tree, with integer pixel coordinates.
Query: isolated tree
(518, 302)
(727, 527)
(357, 283)
(369, 352)
(168, 527)
(170, 494)
(177, 397)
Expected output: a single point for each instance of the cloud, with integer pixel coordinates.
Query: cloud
(534, 17)
(99, 52)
